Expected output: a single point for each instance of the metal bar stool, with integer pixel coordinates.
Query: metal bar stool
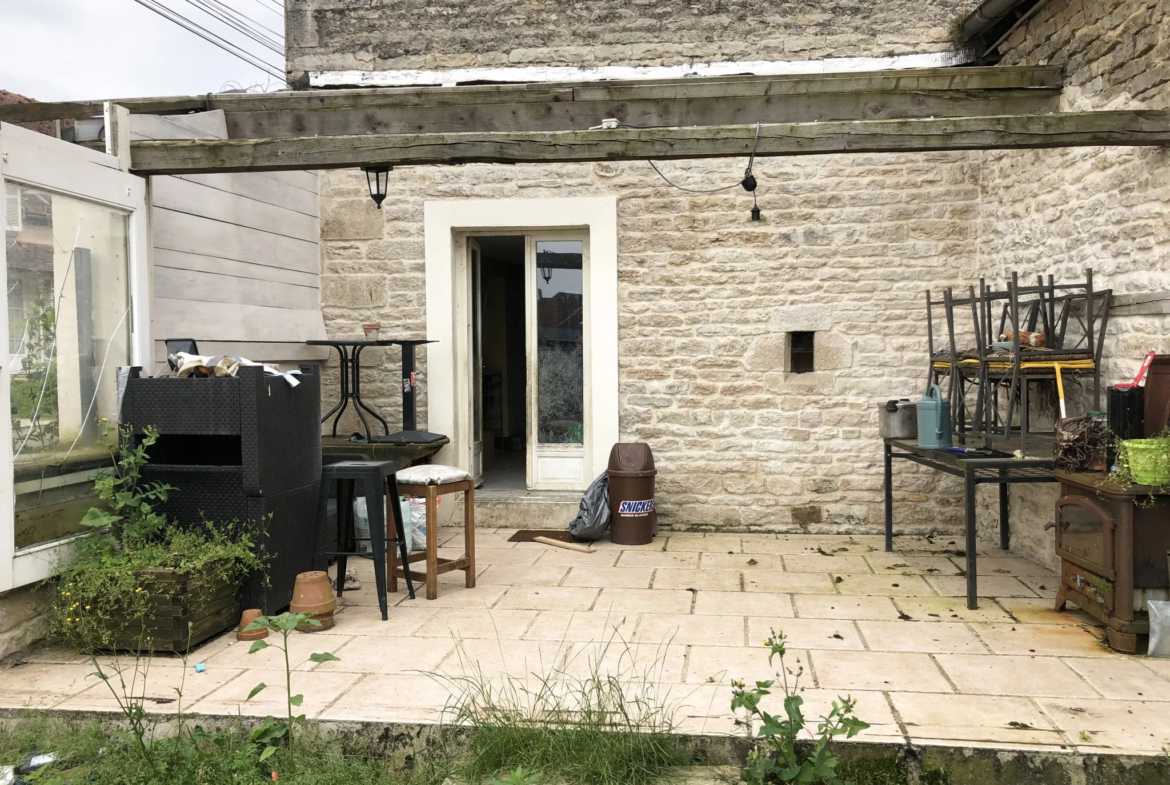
(379, 483)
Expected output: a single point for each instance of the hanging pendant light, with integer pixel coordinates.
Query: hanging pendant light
(377, 178)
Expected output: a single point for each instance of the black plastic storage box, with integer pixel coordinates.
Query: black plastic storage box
(246, 448)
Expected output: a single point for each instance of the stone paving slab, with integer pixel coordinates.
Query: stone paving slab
(680, 618)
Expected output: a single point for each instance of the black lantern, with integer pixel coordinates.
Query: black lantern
(376, 178)
(545, 273)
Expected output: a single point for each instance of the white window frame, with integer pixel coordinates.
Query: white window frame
(446, 225)
(41, 161)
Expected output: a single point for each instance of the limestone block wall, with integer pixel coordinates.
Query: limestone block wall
(442, 34)
(1109, 209)
(706, 302)
(23, 618)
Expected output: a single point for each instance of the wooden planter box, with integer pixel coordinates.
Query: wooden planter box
(208, 603)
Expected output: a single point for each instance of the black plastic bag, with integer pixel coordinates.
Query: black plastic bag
(592, 521)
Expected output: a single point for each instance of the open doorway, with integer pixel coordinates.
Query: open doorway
(501, 411)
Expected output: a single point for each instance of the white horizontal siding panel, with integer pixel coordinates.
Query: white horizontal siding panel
(272, 188)
(172, 193)
(200, 286)
(178, 260)
(182, 232)
(235, 323)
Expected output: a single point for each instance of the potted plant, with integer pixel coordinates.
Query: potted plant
(141, 582)
(1145, 461)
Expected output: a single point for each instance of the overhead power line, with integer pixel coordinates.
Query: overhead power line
(240, 23)
(194, 27)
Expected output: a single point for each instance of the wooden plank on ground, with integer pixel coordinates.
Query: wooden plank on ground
(1074, 129)
(572, 546)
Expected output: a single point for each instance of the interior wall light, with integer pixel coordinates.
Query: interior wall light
(377, 178)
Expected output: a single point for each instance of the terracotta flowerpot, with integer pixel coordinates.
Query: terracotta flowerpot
(249, 616)
(313, 594)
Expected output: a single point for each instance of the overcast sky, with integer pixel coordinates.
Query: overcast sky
(59, 50)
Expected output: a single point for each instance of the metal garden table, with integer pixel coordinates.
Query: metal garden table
(980, 467)
(351, 389)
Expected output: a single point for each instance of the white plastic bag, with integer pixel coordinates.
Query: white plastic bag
(361, 523)
(418, 523)
(1159, 628)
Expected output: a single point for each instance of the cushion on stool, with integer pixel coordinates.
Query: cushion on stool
(432, 474)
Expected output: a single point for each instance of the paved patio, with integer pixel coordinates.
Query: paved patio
(892, 630)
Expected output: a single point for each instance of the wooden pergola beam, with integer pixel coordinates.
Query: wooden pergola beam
(938, 92)
(1079, 129)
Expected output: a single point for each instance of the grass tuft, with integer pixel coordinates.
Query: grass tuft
(596, 718)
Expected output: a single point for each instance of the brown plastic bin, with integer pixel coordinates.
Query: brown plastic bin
(633, 519)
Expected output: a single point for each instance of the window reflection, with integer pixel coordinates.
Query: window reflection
(68, 330)
(559, 342)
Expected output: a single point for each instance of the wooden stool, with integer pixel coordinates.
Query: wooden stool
(431, 482)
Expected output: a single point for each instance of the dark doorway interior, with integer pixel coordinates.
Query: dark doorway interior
(505, 376)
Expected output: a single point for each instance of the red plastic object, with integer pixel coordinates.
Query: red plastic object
(1140, 374)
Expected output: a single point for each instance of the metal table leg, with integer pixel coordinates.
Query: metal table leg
(358, 403)
(889, 498)
(972, 544)
(1005, 530)
(339, 409)
(355, 368)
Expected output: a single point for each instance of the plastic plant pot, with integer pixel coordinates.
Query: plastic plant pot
(1149, 461)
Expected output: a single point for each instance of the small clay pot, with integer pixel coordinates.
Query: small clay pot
(313, 594)
(249, 616)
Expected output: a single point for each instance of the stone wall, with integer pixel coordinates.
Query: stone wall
(1061, 211)
(706, 301)
(439, 34)
(23, 618)
(848, 243)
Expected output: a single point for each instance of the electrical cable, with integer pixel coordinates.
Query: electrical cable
(271, 7)
(223, 14)
(277, 34)
(748, 182)
(216, 40)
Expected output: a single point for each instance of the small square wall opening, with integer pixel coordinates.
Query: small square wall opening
(800, 352)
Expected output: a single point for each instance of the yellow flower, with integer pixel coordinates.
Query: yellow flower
(87, 607)
(138, 590)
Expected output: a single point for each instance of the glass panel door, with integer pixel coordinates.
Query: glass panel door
(474, 253)
(68, 330)
(558, 364)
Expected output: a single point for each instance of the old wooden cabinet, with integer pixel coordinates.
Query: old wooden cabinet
(1113, 543)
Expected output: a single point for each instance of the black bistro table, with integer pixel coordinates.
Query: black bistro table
(976, 467)
(351, 390)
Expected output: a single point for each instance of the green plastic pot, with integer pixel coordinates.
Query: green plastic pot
(1149, 461)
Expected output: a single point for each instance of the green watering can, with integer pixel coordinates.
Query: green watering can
(934, 420)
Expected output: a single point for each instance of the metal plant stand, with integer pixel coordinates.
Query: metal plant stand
(980, 468)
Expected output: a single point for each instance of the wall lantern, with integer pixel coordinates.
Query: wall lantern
(376, 179)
